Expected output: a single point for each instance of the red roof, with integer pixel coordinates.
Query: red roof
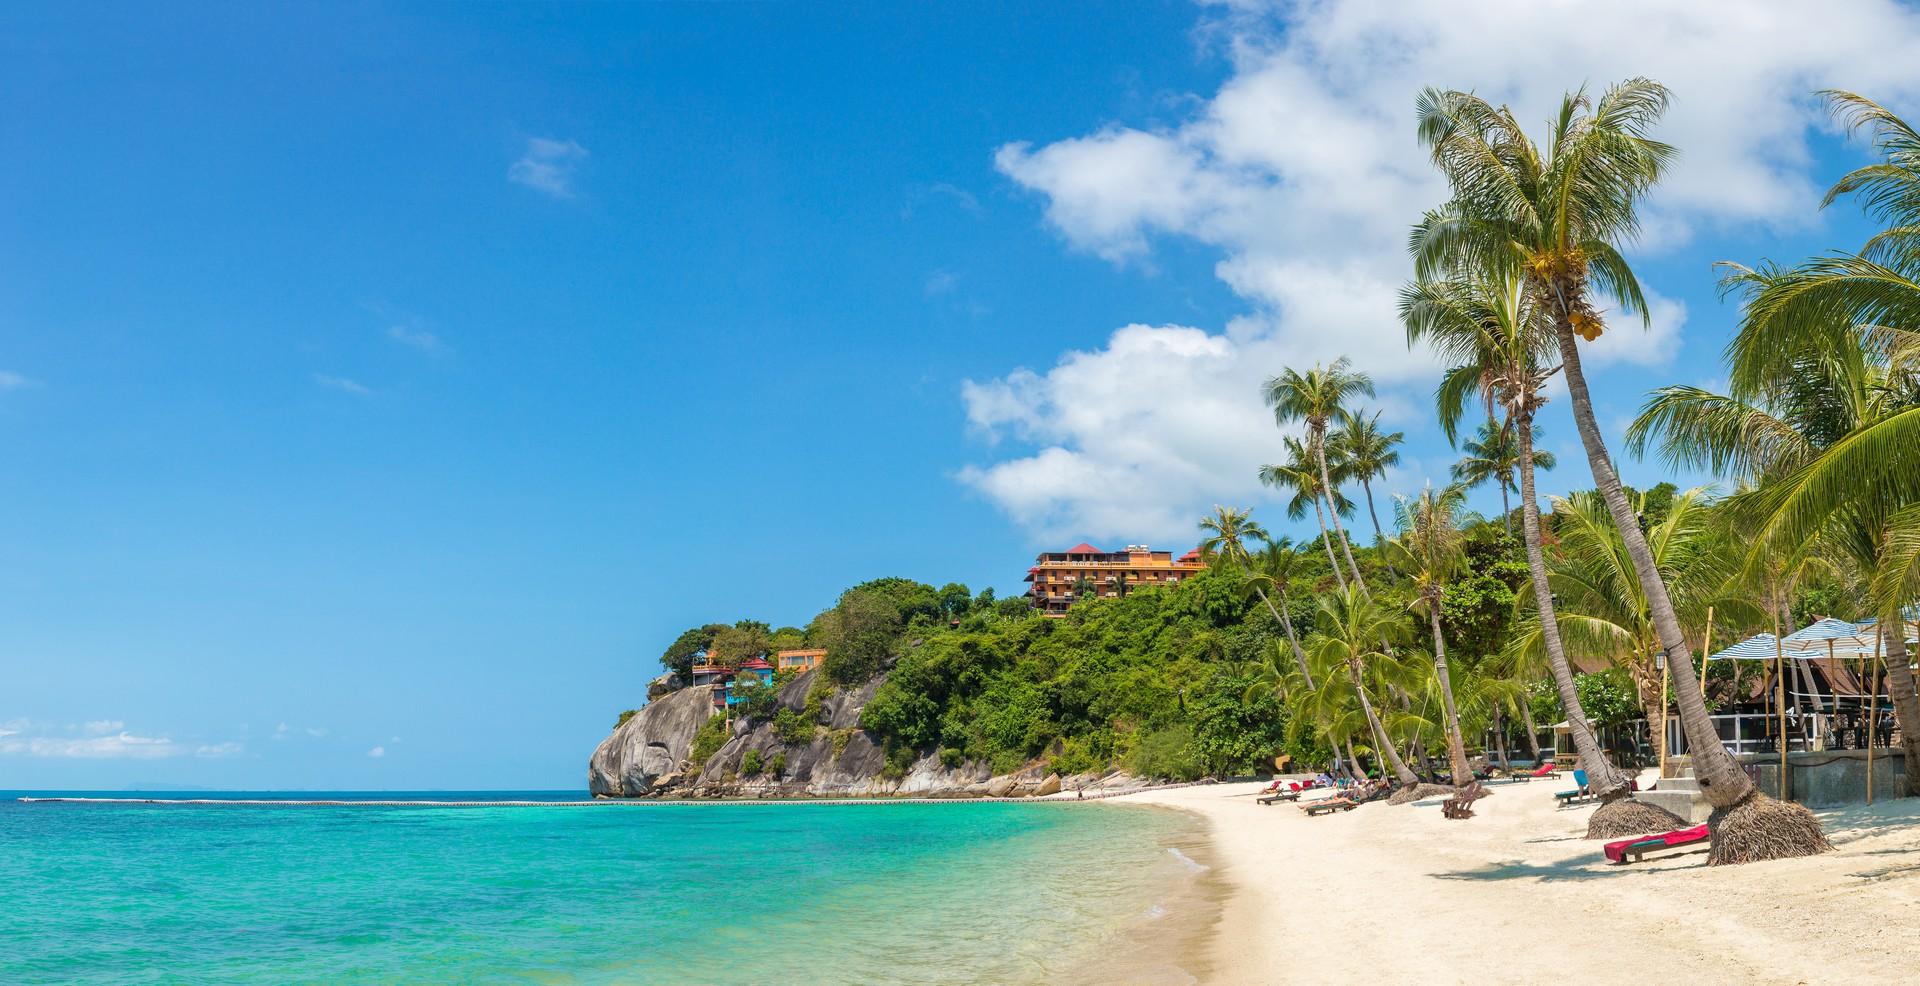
(1193, 555)
(1083, 548)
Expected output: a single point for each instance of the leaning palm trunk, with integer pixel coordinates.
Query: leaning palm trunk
(1746, 825)
(1299, 656)
(1392, 757)
(1533, 731)
(1906, 705)
(1602, 778)
(1326, 541)
(1506, 505)
(1500, 740)
(1326, 483)
(1456, 748)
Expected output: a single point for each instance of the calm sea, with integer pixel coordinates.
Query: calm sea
(807, 894)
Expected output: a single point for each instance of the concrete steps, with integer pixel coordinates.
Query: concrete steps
(1680, 795)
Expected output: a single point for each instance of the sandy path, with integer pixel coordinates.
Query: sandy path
(1383, 895)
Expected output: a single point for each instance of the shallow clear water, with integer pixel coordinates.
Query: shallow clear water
(962, 893)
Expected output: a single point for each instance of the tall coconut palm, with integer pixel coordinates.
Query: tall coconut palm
(1500, 345)
(1493, 455)
(1316, 398)
(1352, 631)
(1228, 532)
(1561, 216)
(1432, 546)
(1301, 475)
(1366, 452)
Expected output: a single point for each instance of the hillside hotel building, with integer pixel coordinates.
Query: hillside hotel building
(1109, 573)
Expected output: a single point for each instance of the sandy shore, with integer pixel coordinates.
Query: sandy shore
(1385, 895)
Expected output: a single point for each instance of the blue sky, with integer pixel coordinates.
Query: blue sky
(402, 379)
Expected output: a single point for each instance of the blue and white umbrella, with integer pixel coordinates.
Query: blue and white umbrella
(1832, 638)
(1754, 648)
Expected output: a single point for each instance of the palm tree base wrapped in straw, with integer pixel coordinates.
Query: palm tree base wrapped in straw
(1623, 817)
(1759, 827)
(1415, 792)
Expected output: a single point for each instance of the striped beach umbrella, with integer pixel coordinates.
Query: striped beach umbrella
(1754, 648)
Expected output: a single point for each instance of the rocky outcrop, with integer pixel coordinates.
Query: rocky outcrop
(648, 750)
(839, 760)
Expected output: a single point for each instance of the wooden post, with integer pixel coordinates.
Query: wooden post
(1780, 703)
(1873, 703)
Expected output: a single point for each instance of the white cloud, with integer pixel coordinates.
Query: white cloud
(344, 384)
(941, 282)
(100, 739)
(420, 339)
(1302, 171)
(9, 380)
(547, 166)
(377, 752)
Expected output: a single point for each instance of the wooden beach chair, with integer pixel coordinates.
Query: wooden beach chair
(1326, 806)
(1633, 850)
(1293, 795)
(1544, 770)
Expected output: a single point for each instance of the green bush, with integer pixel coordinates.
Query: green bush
(624, 716)
(840, 739)
(951, 758)
(1166, 753)
(792, 727)
(711, 736)
(750, 764)
(778, 765)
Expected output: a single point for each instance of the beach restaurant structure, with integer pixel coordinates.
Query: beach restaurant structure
(1057, 576)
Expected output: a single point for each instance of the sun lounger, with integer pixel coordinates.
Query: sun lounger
(1280, 796)
(1634, 850)
(1544, 770)
(1326, 805)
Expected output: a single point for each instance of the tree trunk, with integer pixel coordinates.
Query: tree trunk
(1299, 656)
(1326, 481)
(1906, 705)
(1721, 779)
(1354, 770)
(1456, 747)
(1602, 778)
(1326, 541)
(1500, 740)
(1386, 751)
(1533, 732)
(1506, 505)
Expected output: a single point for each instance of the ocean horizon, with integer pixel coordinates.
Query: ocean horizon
(888, 893)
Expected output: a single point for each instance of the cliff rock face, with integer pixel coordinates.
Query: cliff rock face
(814, 769)
(839, 760)
(650, 746)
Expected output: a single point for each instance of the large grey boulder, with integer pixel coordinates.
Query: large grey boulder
(650, 746)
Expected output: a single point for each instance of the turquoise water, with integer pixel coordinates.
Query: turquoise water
(965, 893)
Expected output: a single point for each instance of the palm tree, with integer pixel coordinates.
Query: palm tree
(1273, 568)
(1500, 345)
(1493, 454)
(1432, 544)
(1366, 453)
(1352, 631)
(1316, 397)
(1823, 402)
(1560, 217)
(1300, 475)
(1602, 610)
(1228, 531)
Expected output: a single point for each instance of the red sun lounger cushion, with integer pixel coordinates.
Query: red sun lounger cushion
(1617, 851)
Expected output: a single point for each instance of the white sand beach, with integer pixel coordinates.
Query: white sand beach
(1385, 895)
